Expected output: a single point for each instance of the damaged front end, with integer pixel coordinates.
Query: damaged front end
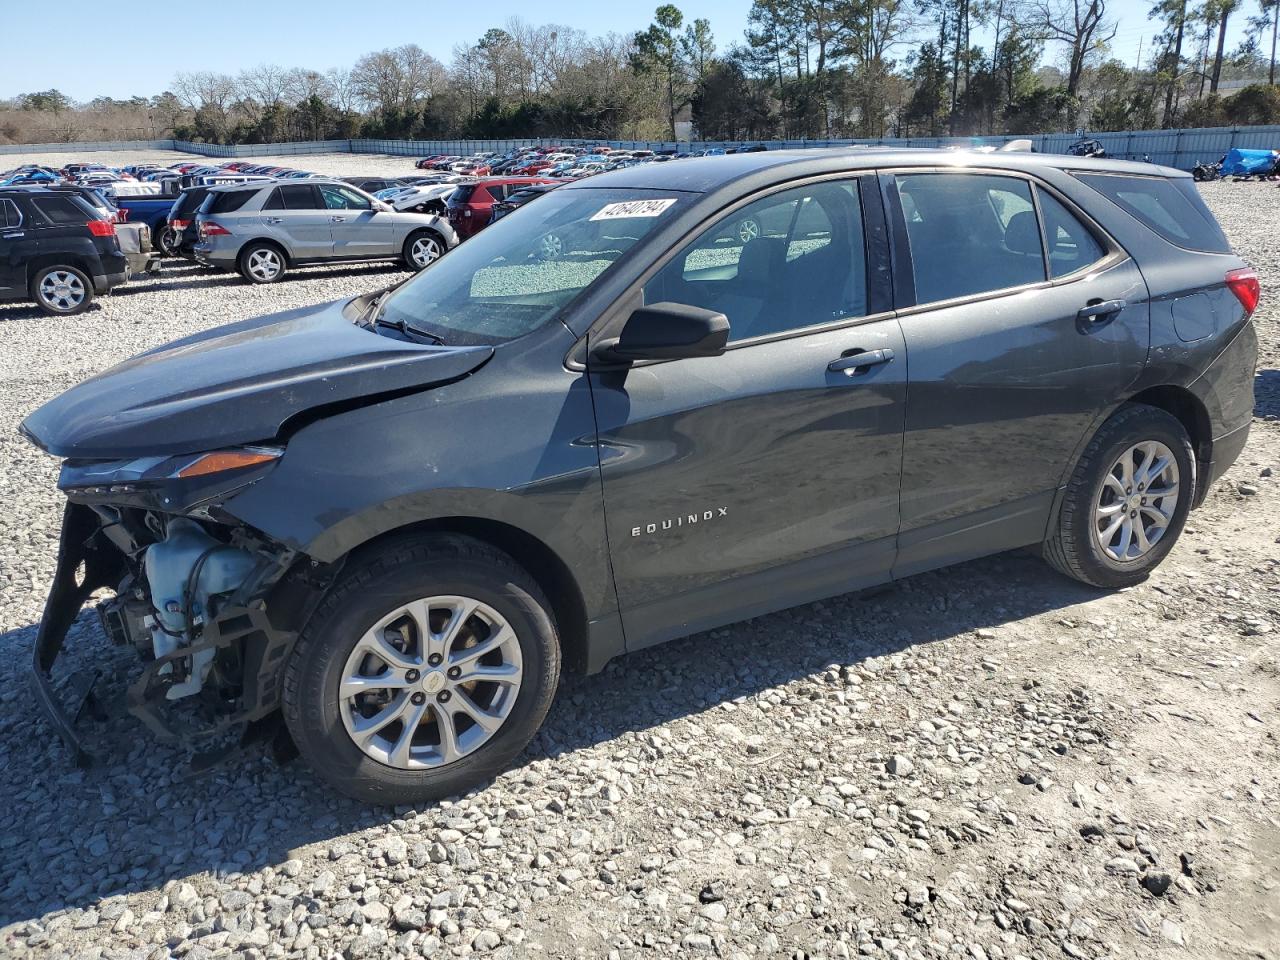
(211, 605)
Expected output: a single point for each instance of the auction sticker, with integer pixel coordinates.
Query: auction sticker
(633, 208)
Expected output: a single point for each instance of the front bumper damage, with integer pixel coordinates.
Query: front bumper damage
(89, 562)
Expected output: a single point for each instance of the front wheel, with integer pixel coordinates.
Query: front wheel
(421, 249)
(424, 672)
(1127, 500)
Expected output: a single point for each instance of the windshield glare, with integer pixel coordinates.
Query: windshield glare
(515, 275)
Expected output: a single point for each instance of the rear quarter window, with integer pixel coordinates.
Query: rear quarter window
(1171, 208)
(64, 209)
(226, 202)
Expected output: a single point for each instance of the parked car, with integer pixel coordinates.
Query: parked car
(518, 198)
(510, 464)
(56, 250)
(264, 230)
(180, 235)
(470, 205)
(372, 185)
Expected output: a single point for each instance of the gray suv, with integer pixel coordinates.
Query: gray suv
(393, 518)
(262, 230)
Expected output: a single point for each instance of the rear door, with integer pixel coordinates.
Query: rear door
(296, 214)
(1015, 347)
(358, 231)
(17, 247)
(767, 476)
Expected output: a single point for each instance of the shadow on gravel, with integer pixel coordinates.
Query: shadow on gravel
(138, 818)
(1266, 394)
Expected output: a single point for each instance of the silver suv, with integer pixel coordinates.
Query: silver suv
(263, 229)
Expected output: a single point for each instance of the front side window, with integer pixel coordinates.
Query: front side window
(970, 233)
(342, 198)
(516, 275)
(790, 260)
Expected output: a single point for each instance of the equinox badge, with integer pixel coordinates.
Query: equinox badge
(687, 520)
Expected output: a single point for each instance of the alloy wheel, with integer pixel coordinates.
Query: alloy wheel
(424, 252)
(1136, 502)
(748, 230)
(431, 682)
(551, 246)
(265, 264)
(61, 290)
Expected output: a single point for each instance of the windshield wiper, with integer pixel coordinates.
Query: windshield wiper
(408, 329)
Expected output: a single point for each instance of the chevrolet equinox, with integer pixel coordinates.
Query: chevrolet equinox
(617, 417)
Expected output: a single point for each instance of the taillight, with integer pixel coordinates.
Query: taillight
(180, 224)
(1244, 284)
(211, 228)
(102, 228)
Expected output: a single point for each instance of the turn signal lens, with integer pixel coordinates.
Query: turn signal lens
(1244, 284)
(223, 460)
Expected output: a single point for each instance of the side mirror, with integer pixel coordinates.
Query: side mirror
(380, 207)
(666, 331)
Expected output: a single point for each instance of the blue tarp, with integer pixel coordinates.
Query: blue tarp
(1250, 161)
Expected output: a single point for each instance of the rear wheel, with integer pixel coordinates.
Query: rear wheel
(424, 672)
(167, 240)
(262, 263)
(1127, 500)
(422, 248)
(62, 291)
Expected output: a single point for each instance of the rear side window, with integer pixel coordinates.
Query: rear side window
(10, 215)
(293, 197)
(1072, 246)
(1171, 208)
(187, 202)
(462, 194)
(970, 233)
(64, 209)
(226, 202)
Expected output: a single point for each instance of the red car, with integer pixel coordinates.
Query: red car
(425, 162)
(469, 207)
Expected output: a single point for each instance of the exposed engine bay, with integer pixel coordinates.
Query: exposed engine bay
(191, 596)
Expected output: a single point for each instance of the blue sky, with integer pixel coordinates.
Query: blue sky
(323, 33)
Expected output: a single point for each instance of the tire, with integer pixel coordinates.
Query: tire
(400, 573)
(62, 291)
(1089, 542)
(421, 249)
(167, 240)
(262, 263)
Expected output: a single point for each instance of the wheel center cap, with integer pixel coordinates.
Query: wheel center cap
(433, 682)
(1135, 501)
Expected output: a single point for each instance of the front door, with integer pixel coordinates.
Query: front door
(358, 230)
(768, 476)
(1015, 348)
(295, 214)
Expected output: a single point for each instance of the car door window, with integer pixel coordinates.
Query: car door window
(1072, 246)
(10, 215)
(970, 233)
(342, 198)
(300, 196)
(790, 260)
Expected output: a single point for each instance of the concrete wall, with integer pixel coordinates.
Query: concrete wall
(1174, 148)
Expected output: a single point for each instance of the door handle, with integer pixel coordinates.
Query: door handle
(851, 363)
(1096, 311)
(337, 219)
(275, 219)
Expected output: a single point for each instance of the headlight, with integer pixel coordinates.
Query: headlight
(166, 483)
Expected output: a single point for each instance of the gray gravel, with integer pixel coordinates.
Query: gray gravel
(986, 762)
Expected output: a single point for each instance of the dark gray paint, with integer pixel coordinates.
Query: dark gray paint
(987, 404)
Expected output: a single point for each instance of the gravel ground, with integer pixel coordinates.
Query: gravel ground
(986, 762)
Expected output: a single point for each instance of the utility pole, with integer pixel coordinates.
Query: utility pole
(1275, 27)
(1137, 63)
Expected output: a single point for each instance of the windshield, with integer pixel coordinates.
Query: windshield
(515, 275)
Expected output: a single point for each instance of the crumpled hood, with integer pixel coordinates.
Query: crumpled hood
(238, 384)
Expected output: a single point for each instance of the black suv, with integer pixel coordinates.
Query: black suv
(55, 249)
(616, 417)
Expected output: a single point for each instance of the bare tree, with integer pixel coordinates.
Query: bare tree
(1082, 25)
